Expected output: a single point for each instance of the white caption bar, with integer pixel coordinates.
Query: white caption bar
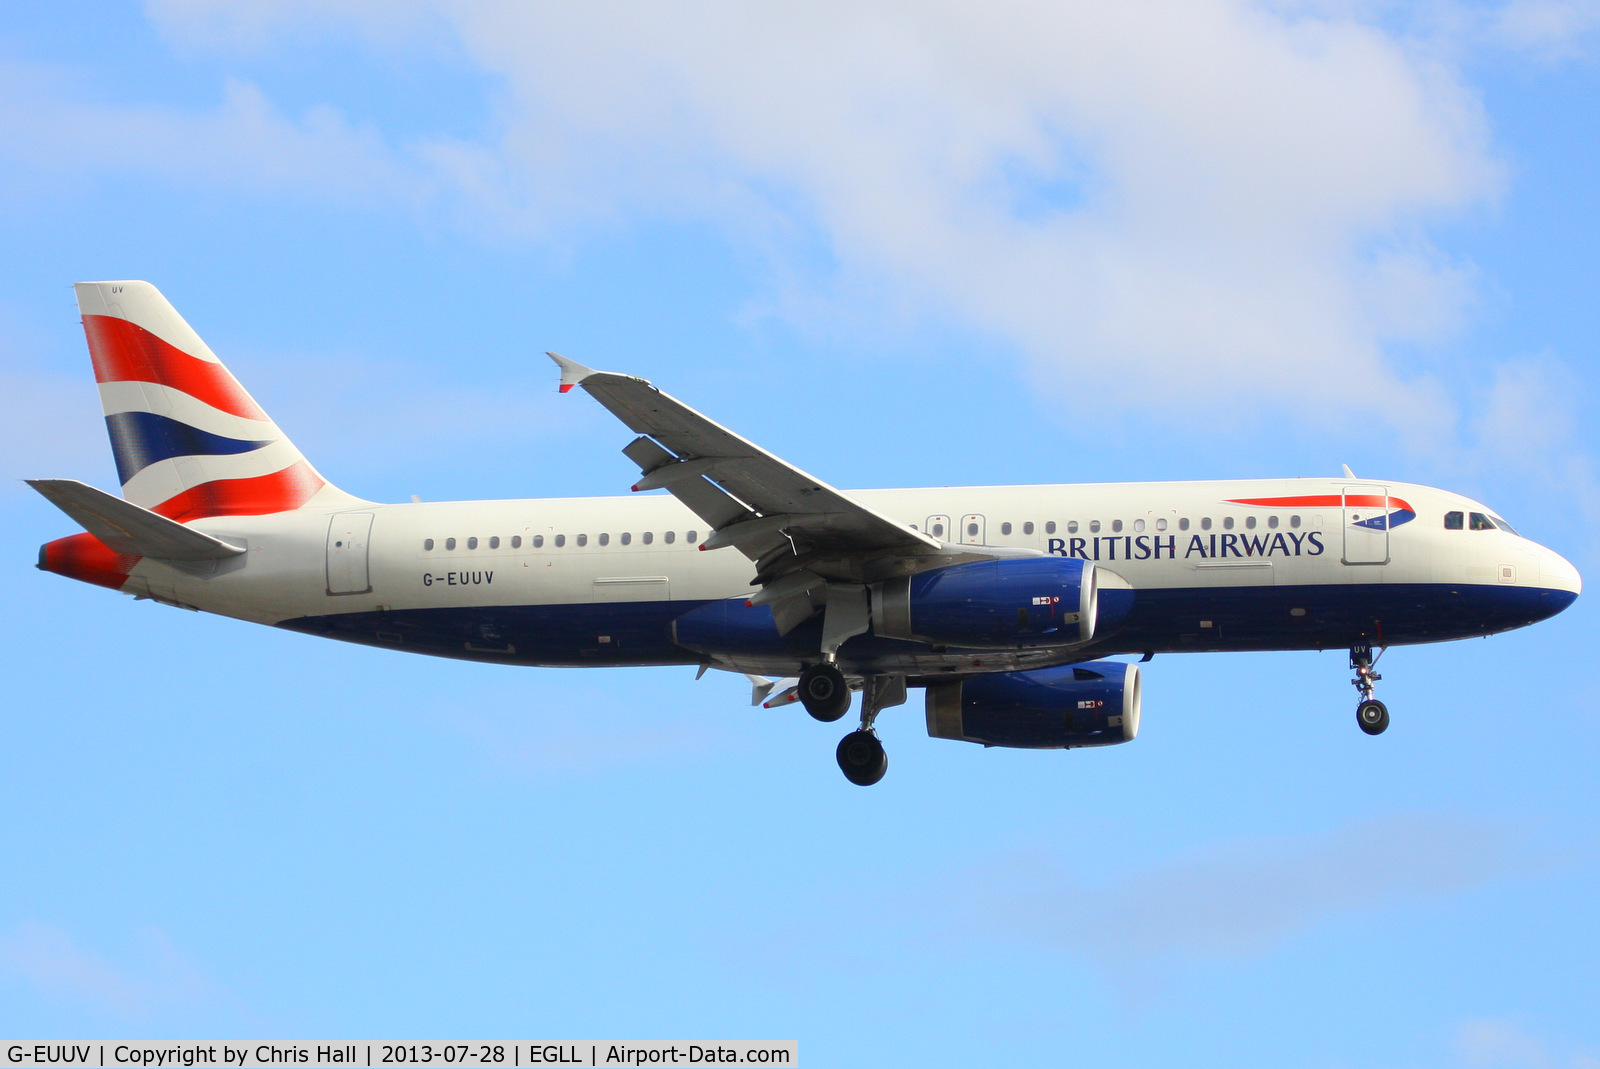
(347, 1055)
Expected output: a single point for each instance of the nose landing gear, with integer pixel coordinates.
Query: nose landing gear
(1372, 715)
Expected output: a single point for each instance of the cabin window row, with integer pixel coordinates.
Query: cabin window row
(559, 541)
(1116, 526)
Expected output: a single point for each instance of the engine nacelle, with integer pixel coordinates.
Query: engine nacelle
(1033, 601)
(1091, 704)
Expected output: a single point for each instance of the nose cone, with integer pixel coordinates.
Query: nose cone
(1557, 573)
(1559, 582)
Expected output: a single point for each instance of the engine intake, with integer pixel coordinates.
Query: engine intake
(1030, 602)
(1091, 704)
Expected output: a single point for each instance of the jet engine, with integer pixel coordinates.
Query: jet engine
(1028, 602)
(1090, 704)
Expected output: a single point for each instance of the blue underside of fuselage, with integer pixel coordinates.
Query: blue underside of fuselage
(1158, 621)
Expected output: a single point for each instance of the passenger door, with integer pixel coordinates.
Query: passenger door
(1366, 524)
(348, 535)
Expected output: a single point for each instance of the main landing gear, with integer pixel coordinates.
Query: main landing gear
(862, 758)
(824, 692)
(1372, 715)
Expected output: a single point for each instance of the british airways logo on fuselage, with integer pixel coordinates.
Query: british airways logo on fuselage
(1373, 512)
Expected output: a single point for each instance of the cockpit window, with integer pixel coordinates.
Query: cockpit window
(1503, 525)
(1454, 521)
(1480, 522)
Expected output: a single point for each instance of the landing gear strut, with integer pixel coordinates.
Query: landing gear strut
(1372, 715)
(824, 692)
(860, 754)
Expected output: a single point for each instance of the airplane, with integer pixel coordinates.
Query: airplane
(1004, 604)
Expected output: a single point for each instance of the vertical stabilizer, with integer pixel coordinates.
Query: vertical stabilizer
(189, 441)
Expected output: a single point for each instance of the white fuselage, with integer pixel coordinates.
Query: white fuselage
(1191, 537)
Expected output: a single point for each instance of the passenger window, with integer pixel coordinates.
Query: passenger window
(561, 540)
(648, 537)
(472, 543)
(691, 536)
(1250, 522)
(494, 541)
(1072, 527)
(937, 532)
(1005, 528)
(1294, 521)
(1116, 525)
(1050, 527)
(1272, 521)
(972, 530)
(427, 543)
(670, 537)
(449, 543)
(516, 541)
(1183, 523)
(627, 539)
(1138, 525)
(1454, 521)
(1094, 526)
(583, 540)
(1205, 523)
(1227, 523)
(605, 540)
(1027, 528)
(538, 541)
(1161, 524)
(1480, 522)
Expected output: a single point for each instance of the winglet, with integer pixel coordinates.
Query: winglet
(1348, 474)
(572, 372)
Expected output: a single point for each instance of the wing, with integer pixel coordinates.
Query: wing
(803, 534)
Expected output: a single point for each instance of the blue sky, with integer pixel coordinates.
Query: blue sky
(897, 245)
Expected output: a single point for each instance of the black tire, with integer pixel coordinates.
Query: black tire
(861, 758)
(1373, 716)
(824, 692)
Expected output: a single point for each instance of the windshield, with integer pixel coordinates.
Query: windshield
(1503, 525)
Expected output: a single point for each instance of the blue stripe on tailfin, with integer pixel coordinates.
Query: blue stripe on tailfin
(140, 439)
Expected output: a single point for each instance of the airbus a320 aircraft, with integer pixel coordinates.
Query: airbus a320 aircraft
(1000, 602)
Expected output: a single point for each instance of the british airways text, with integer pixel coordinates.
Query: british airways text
(1165, 547)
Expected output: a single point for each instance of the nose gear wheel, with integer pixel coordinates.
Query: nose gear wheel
(1372, 715)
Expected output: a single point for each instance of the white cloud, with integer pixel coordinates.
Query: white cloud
(57, 433)
(1242, 898)
(1166, 201)
(1501, 1044)
(49, 961)
(52, 130)
(1155, 202)
(1527, 420)
(1550, 29)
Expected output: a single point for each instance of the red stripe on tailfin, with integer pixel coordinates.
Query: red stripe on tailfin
(282, 491)
(126, 352)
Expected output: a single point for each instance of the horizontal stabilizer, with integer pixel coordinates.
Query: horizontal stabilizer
(126, 528)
